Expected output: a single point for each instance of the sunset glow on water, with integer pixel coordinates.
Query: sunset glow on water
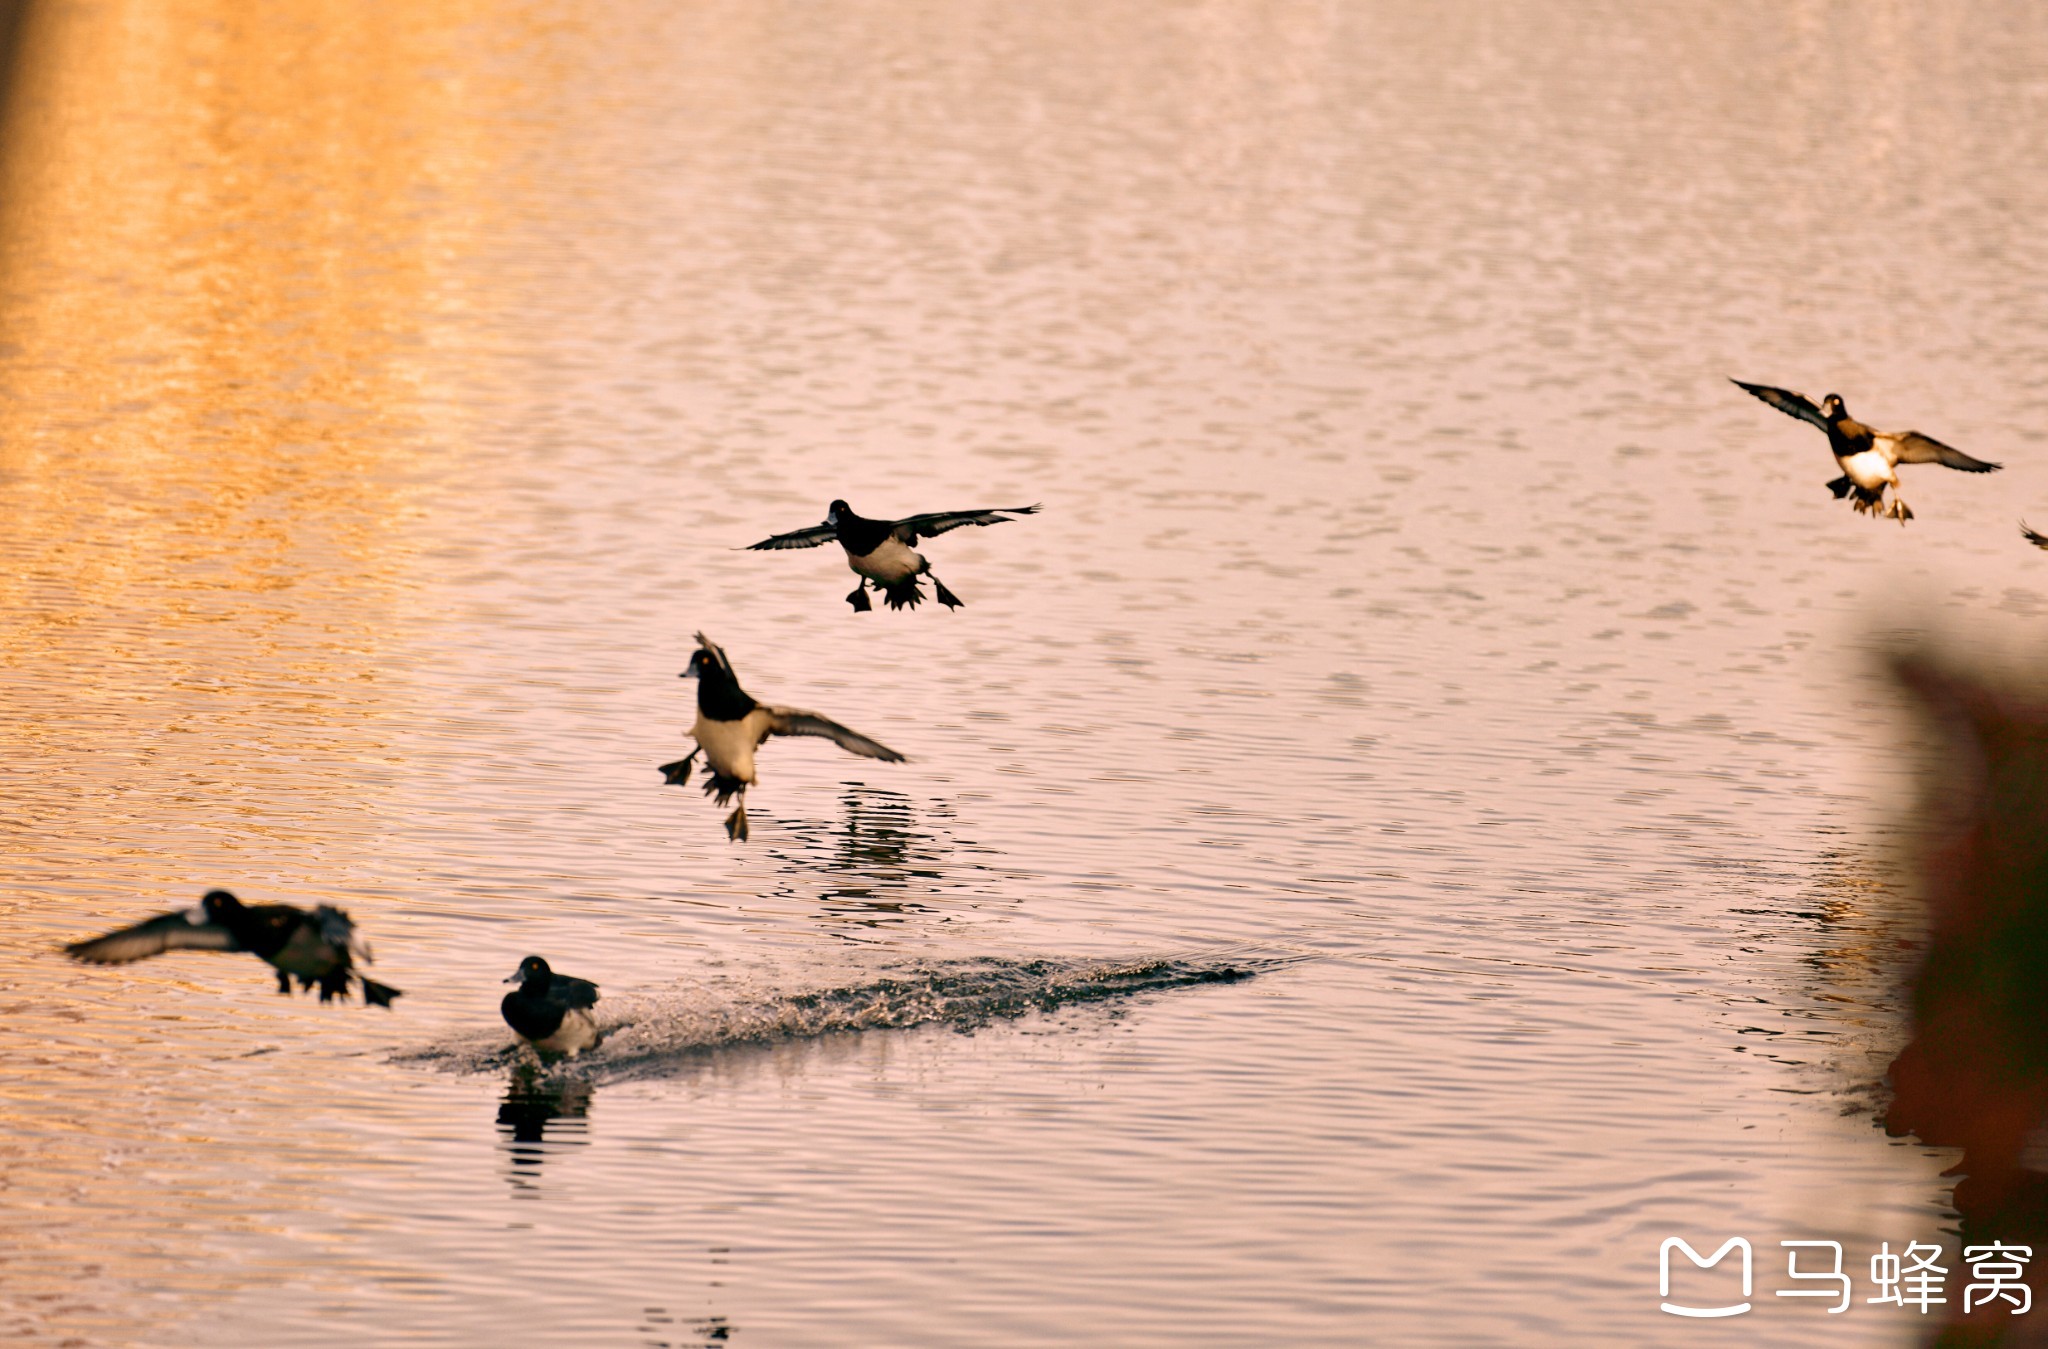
(1412, 824)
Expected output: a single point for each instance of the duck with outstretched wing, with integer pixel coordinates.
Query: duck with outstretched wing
(1869, 458)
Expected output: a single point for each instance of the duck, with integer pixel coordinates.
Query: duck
(730, 726)
(882, 552)
(1869, 458)
(315, 946)
(2038, 539)
(550, 1011)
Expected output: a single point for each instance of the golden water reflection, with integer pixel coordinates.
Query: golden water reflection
(1365, 356)
(229, 242)
(230, 248)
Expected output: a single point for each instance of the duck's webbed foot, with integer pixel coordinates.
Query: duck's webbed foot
(284, 983)
(945, 596)
(859, 598)
(334, 984)
(1841, 486)
(678, 773)
(378, 995)
(736, 823)
(1901, 511)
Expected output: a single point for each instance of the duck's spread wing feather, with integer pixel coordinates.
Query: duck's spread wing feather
(166, 932)
(1784, 400)
(1910, 447)
(338, 931)
(912, 528)
(798, 538)
(789, 721)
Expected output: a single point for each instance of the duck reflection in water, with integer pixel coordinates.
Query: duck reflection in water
(875, 859)
(535, 1099)
(1974, 1074)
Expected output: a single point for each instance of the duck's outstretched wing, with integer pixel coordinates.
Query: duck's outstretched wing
(1784, 400)
(339, 931)
(1910, 447)
(2037, 539)
(177, 931)
(912, 528)
(798, 538)
(789, 721)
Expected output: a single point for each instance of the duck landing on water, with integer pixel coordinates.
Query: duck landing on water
(882, 552)
(1869, 458)
(315, 946)
(731, 726)
(550, 1011)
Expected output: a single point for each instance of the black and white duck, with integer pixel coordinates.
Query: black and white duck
(550, 1011)
(883, 552)
(1869, 458)
(316, 946)
(731, 726)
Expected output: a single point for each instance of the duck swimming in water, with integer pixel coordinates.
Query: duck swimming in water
(550, 1011)
(882, 552)
(314, 946)
(1869, 458)
(731, 726)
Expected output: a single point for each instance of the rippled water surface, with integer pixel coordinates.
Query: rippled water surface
(1406, 829)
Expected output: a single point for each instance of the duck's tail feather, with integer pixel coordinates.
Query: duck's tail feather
(903, 595)
(717, 784)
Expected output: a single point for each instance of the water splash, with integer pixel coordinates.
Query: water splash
(651, 1035)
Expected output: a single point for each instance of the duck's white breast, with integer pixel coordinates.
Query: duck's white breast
(577, 1032)
(891, 563)
(729, 745)
(1867, 470)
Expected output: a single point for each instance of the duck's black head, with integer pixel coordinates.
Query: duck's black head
(1831, 407)
(838, 511)
(719, 695)
(218, 905)
(533, 972)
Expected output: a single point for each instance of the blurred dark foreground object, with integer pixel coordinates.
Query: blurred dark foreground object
(13, 20)
(1974, 1075)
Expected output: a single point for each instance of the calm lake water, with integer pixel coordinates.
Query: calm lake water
(1418, 623)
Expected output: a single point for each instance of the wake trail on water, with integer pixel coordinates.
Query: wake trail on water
(650, 1034)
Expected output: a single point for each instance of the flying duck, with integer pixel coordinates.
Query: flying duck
(317, 946)
(1869, 458)
(2038, 539)
(550, 1011)
(731, 725)
(880, 551)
